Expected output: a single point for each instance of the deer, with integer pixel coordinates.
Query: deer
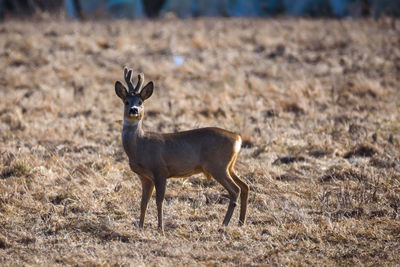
(156, 157)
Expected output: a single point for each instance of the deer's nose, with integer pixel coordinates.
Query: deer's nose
(133, 110)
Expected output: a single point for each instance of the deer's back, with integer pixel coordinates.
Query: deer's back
(184, 153)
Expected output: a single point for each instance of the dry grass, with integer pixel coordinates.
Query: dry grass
(317, 103)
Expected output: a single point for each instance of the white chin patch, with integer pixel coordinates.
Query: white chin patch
(238, 144)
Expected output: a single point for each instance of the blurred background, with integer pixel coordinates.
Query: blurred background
(316, 101)
(135, 9)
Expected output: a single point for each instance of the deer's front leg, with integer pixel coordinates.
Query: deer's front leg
(160, 184)
(147, 190)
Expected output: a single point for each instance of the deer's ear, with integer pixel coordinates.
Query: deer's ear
(147, 91)
(120, 90)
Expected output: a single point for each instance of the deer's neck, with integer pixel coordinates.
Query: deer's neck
(132, 133)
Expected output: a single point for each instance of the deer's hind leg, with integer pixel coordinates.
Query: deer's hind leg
(221, 174)
(244, 191)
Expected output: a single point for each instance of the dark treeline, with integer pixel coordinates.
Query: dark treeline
(28, 7)
(192, 8)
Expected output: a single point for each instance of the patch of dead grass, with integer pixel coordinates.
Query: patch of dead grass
(319, 98)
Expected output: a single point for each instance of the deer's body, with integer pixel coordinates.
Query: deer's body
(177, 154)
(158, 156)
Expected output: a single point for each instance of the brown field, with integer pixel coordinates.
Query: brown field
(316, 101)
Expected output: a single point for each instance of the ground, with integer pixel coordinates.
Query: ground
(317, 103)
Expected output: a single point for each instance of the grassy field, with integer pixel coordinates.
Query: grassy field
(317, 103)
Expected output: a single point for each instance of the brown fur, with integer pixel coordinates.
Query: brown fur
(157, 156)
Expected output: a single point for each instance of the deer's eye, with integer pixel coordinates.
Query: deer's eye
(126, 102)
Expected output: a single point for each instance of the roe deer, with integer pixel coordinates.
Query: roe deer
(158, 156)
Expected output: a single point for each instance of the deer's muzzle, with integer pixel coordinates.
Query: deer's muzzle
(133, 111)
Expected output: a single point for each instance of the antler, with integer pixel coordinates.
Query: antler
(128, 76)
(139, 82)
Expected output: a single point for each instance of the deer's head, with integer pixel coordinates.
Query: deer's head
(134, 97)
